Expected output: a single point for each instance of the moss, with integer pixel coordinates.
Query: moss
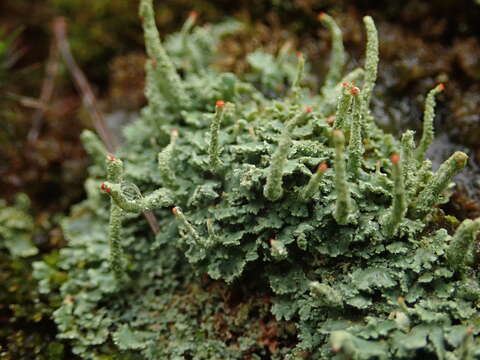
(27, 330)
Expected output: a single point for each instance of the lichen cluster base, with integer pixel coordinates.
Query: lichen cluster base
(291, 226)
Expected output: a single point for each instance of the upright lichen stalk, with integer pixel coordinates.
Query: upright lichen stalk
(214, 147)
(399, 203)
(355, 146)
(161, 68)
(409, 164)
(273, 189)
(344, 203)
(439, 183)
(343, 108)
(164, 162)
(114, 175)
(459, 253)
(371, 64)
(428, 117)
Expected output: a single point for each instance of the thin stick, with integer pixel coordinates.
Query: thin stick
(81, 82)
(89, 101)
(46, 93)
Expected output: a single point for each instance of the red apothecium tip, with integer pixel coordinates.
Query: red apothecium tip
(395, 158)
(354, 91)
(323, 167)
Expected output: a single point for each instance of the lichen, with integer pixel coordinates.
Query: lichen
(16, 227)
(264, 193)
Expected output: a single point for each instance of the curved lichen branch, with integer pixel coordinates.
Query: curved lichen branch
(337, 59)
(371, 63)
(460, 250)
(439, 182)
(397, 211)
(312, 187)
(428, 116)
(120, 202)
(213, 147)
(273, 189)
(343, 204)
(157, 199)
(164, 162)
(355, 145)
(167, 78)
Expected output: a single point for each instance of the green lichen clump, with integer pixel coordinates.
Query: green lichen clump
(16, 227)
(297, 198)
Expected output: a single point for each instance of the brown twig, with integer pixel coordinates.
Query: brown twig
(81, 82)
(152, 221)
(88, 98)
(26, 101)
(46, 93)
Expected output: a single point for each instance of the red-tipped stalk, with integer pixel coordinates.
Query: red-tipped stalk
(214, 146)
(355, 146)
(342, 116)
(399, 204)
(312, 187)
(343, 204)
(183, 222)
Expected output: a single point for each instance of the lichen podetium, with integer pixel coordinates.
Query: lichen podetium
(263, 195)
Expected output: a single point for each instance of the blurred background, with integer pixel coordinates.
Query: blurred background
(43, 164)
